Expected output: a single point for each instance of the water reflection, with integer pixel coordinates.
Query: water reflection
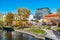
(5, 35)
(15, 36)
(8, 35)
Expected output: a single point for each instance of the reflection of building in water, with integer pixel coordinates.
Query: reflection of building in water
(41, 12)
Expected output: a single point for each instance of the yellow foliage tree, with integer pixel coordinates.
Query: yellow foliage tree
(58, 12)
(24, 14)
(9, 18)
(1, 23)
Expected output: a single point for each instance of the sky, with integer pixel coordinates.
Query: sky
(13, 5)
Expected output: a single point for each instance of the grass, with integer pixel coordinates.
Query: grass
(16, 28)
(38, 31)
(58, 29)
(33, 30)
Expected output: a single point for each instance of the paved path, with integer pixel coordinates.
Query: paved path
(56, 33)
(51, 35)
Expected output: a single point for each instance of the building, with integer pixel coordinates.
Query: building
(41, 13)
(54, 18)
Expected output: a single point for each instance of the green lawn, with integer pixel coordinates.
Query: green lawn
(38, 31)
(33, 30)
(58, 29)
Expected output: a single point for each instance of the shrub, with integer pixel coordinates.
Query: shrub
(58, 29)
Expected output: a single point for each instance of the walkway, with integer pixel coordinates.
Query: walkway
(51, 35)
(57, 34)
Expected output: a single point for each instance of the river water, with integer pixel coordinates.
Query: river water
(16, 36)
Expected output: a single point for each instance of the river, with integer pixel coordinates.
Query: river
(4, 35)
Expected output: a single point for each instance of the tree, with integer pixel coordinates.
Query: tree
(23, 14)
(19, 21)
(36, 21)
(1, 20)
(1, 23)
(9, 18)
(19, 10)
(58, 10)
(1, 16)
(26, 14)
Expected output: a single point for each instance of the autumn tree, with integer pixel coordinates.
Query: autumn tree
(1, 23)
(58, 12)
(19, 20)
(26, 13)
(1, 20)
(1, 16)
(9, 18)
(23, 13)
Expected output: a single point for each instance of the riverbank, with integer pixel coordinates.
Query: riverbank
(32, 34)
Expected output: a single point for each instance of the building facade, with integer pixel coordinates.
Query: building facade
(54, 18)
(41, 13)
